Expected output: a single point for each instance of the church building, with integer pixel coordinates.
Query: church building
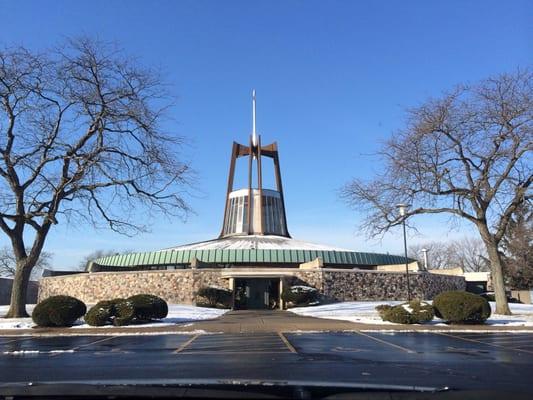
(254, 256)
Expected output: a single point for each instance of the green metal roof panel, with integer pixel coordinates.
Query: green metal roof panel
(269, 256)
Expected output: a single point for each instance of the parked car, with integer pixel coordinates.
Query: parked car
(490, 297)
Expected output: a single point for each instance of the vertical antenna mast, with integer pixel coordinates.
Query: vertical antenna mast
(254, 133)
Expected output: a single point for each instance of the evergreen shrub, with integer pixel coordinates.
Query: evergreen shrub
(459, 307)
(102, 312)
(58, 311)
(135, 309)
(398, 315)
(300, 296)
(214, 297)
(413, 312)
(124, 313)
(148, 307)
(382, 309)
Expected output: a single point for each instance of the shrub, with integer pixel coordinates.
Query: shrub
(421, 311)
(58, 311)
(398, 315)
(146, 307)
(102, 312)
(414, 312)
(300, 296)
(134, 309)
(214, 297)
(124, 313)
(382, 309)
(461, 307)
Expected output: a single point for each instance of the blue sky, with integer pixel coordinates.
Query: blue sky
(333, 78)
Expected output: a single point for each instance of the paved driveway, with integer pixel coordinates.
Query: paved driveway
(498, 361)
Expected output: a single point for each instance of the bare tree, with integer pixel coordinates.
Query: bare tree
(467, 253)
(8, 263)
(466, 154)
(470, 254)
(439, 254)
(93, 256)
(81, 137)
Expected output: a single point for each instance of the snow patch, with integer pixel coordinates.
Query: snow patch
(177, 314)
(20, 352)
(364, 312)
(301, 288)
(407, 308)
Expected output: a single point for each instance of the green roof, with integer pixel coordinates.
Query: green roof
(257, 256)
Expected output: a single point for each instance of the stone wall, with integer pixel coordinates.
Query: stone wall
(176, 286)
(342, 285)
(313, 278)
(180, 286)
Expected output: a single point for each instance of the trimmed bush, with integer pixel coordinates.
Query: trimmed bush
(214, 297)
(147, 307)
(124, 313)
(414, 312)
(457, 307)
(98, 315)
(102, 312)
(398, 315)
(135, 309)
(300, 296)
(421, 311)
(382, 309)
(58, 311)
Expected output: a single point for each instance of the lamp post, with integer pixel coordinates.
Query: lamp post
(402, 208)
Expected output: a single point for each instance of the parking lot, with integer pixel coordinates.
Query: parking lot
(459, 360)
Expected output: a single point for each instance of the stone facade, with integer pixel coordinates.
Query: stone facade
(177, 286)
(180, 286)
(339, 285)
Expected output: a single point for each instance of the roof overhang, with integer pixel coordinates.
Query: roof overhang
(256, 273)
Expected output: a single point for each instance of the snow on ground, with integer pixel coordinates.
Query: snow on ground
(16, 323)
(177, 314)
(364, 312)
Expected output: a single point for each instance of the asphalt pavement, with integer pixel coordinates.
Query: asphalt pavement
(496, 361)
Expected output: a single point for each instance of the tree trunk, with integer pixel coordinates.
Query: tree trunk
(496, 267)
(17, 309)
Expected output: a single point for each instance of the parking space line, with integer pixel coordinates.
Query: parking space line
(20, 339)
(502, 341)
(499, 336)
(85, 345)
(234, 352)
(485, 343)
(512, 342)
(387, 343)
(184, 345)
(521, 346)
(287, 343)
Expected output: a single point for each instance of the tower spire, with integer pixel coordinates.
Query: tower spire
(254, 133)
(254, 210)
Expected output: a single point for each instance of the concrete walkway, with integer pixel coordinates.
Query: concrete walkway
(250, 321)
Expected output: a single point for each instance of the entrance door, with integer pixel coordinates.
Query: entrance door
(256, 293)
